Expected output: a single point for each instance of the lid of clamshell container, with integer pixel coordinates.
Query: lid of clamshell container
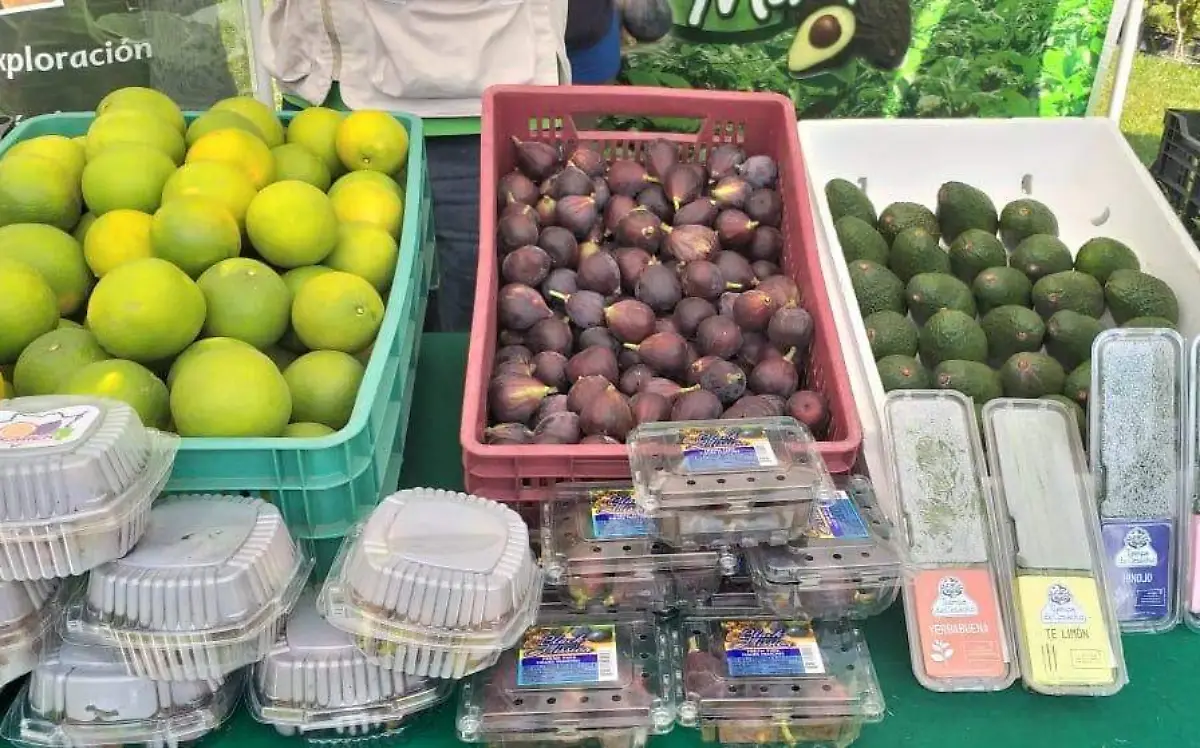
(443, 559)
(60, 455)
(204, 563)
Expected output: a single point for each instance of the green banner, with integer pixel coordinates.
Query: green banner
(884, 58)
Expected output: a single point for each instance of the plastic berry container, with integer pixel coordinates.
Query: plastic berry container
(205, 591)
(317, 684)
(730, 527)
(576, 680)
(435, 583)
(845, 565)
(599, 551)
(77, 477)
(27, 614)
(700, 464)
(84, 696)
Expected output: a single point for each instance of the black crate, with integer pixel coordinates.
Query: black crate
(1177, 168)
(6, 124)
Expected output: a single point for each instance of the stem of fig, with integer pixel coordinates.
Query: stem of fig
(752, 224)
(790, 354)
(734, 286)
(632, 346)
(685, 390)
(560, 295)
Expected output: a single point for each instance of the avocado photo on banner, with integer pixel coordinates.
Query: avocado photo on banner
(66, 55)
(876, 58)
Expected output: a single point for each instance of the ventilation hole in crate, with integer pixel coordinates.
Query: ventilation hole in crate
(584, 699)
(1102, 219)
(795, 689)
(551, 700)
(733, 689)
(865, 554)
(596, 549)
(837, 557)
(826, 687)
(616, 697)
(645, 655)
(764, 689)
(750, 479)
(642, 637)
(518, 702)
(627, 548)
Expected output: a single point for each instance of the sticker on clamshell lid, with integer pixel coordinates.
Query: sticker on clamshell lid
(836, 517)
(1065, 632)
(961, 633)
(771, 648)
(562, 655)
(615, 514)
(47, 428)
(725, 450)
(1138, 560)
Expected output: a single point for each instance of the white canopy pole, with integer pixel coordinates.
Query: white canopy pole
(1130, 36)
(264, 91)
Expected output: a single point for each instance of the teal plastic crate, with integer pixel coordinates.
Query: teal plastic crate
(322, 485)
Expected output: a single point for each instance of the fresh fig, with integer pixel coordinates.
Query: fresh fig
(699, 212)
(726, 302)
(587, 249)
(551, 405)
(760, 171)
(661, 156)
(551, 334)
(659, 289)
(594, 362)
(511, 337)
(599, 337)
(514, 398)
(618, 207)
(666, 324)
(640, 228)
(725, 380)
(513, 353)
(809, 408)
(528, 265)
(516, 230)
(731, 192)
(584, 308)
(734, 229)
(551, 368)
(632, 261)
(546, 210)
(536, 160)
(776, 376)
(654, 199)
(697, 368)
(666, 387)
(767, 244)
(718, 336)
(608, 414)
(764, 269)
(689, 313)
(736, 270)
(559, 285)
(519, 209)
(791, 327)
(521, 368)
(765, 206)
(724, 160)
(703, 279)
(751, 406)
(627, 358)
(599, 272)
(631, 321)
(576, 213)
(601, 192)
(753, 310)
(558, 428)
(515, 187)
(588, 160)
(506, 434)
(584, 391)
(682, 185)
(626, 177)
(520, 307)
(698, 405)
(634, 378)
(649, 407)
(570, 181)
(756, 348)
(594, 439)
(664, 352)
(782, 290)
(691, 243)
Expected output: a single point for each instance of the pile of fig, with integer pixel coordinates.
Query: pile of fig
(635, 290)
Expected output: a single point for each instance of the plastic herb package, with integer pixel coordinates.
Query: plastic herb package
(1191, 586)
(1139, 468)
(844, 565)
(957, 598)
(28, 611)
(677, 465)
(576, 681)
(748, 680)
(317, 684)
(435, 583)
(77, 477)
(1068, 637)
(599, 549)
(80, 696)
(205, 591)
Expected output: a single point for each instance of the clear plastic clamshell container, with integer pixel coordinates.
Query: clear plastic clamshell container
(702, 464)
(958, 582)
(28, 611)
(748, 680)
(576, 681)
(435, 583)
(84, 696)
(1067, 632)
(1139, 469)
(599, 549)
(77, 477)
(729, 527)
(205, 591)
(316, 683)
(844, 565)
(1191, 586)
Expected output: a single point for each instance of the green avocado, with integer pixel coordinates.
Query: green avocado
(902, 373)
(975, 251)
(929, 292)
(977, 381)
(1070, 289)
(1069, 337)
(952, 335)
(1131, 293)
(846, 199)
(898, 217)
(877, 288)
(1005, 286)
(891, 334)
(1012, 329)
(1078, 383)
(961, 207)
(860, 240)
(1153, 322)
(1023, 218)
(1101, 256)
(1040, 255)
(917, 251)
(1032, 375)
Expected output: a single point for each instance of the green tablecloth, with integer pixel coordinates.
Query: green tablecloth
(1154, 711)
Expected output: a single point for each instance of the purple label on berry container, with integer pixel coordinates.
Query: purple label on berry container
(1138, 561)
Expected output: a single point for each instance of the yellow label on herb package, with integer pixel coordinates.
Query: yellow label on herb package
(1066, 637)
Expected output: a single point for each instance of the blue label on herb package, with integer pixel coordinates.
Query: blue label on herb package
(1137, 558)
(836, 517)
(770, 648)
(616, 515)
(559, 655)
(725, 450)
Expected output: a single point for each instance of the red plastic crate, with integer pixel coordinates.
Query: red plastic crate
(761, 124)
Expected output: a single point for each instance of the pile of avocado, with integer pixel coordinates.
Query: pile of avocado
(989, 303)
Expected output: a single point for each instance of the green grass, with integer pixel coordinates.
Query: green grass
(1156, 84)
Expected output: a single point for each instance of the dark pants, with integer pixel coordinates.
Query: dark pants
(454, 175)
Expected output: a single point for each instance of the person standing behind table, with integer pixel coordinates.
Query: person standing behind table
(431, 58)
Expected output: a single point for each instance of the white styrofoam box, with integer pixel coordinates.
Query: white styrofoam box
(1082, 168)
